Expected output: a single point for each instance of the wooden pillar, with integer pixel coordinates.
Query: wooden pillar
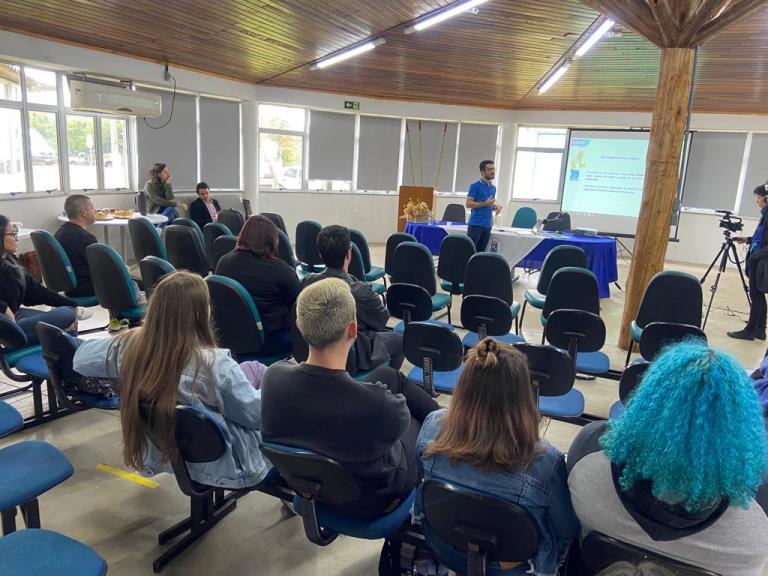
(663, 160)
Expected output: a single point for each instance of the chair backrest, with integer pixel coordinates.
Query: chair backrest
(572, 288)
(247, 208)
(488, 274)
(409, 302)
(211, 231)
(599, 551)
(575, 330)
(441, 345)
(59, 352)
(11, 336)
(393, 242)
(223, 245)
(671, 296)
(413, 264)
(277, 220)
(630, 378)
(362, 244)
(559, 257)
(312, 475)
(551, 369)
(455, 252)
(356, 265)
(190, 224)
(111, 280)
(237, 320)
(232, 219)
(525, 217)
(475, 523)
(285, 250)
(486, 315)
(185, 249)
(152, 271)
(306, 244)
(455, 213)
(145, 239)
(657, 335)
(55, 265)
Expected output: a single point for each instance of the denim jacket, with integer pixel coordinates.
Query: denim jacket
(224, 393)
(542, 489)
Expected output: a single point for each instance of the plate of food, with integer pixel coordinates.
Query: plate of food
(101, 216)
(123, 214)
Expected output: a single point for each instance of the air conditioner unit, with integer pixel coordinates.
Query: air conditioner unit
(94, 97)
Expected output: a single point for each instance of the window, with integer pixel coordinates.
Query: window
(41, 86)
(11, 152)
(538, 162)
(282, 130)
(82, 153)
(44, 148)
(114, 152)
(10, 82)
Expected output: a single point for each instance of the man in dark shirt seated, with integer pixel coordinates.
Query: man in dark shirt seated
(75, 238)
(376, 344)
(368, 427)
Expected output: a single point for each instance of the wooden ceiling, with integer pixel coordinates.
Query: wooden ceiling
(495, 58)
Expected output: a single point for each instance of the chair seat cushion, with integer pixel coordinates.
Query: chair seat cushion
(440, 301)
(592, 362)
(13, 356)
(443, 381)
(96, 401)
(33, 365)
(535, 298)
(29, 469)
(635, 331)
(448, 286)
(34, 552)
(368, 528)
(378, 287)
(374, 273)
(400, 326)
(570, 405)
(470, 339)
(617, 409)
(85, 300)
(10, 419)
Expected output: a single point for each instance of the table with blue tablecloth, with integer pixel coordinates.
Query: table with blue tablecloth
(528, 249)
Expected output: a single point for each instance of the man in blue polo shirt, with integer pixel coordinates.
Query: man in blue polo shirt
(481, 198)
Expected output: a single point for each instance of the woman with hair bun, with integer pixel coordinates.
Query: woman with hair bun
(488, 442)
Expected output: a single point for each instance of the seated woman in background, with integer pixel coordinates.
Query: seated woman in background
(153, 364)
(488, 442)
(160, 194)
(18, 287)
(681, 472)
(272, 284)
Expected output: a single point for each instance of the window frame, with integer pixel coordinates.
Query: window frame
(545, 150)
(303, 134)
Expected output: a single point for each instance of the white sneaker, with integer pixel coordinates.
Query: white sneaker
(83, 313)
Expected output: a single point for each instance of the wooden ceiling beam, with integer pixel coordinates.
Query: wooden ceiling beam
(636, 15)
(703, 13)
(734, 12)
(668, 24)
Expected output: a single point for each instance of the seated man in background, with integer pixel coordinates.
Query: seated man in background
(75, 238)
(369, 427)
(376, 344)
(205, 209)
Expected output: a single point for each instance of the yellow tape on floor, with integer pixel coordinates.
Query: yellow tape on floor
(135, 478)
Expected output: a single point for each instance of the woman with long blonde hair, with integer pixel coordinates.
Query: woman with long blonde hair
(173, 359)
(488, 442)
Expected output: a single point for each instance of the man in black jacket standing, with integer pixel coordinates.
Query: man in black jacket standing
(757, 271)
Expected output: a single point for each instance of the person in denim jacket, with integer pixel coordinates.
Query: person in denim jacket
(173, 359)
(488, 442)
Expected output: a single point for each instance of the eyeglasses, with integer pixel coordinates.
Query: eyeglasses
(14, 234)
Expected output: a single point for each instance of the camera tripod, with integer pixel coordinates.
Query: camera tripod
(728, 248)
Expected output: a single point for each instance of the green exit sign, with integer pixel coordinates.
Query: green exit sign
(349, 105)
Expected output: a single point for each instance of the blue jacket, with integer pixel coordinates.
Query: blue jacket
(542, 489)
(223, 392)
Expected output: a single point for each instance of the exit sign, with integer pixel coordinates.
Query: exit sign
(349, 105)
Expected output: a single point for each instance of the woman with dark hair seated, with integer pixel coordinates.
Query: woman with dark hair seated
(488, 442)
(18, 287)
(681, 472)
(272, 284)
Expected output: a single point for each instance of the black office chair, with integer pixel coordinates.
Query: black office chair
(153, 269)
(413, 264)
(306, 246)
(285, 250)
(572, 288)
(357, 269)
(455, 252)
(223, 245)
(277, 220)
(525, 217)
(582, 334)
(670, 296)
(186, 250)
(112, 283)
(630, 378)
(232, 219)
(558, 257)
(552, 376)
(487, 316)
(599, 551)
(488, 274)
(372, 273)
(212, 231)
(247, 208)
(437, 355)
(145, 239)
(191, 224)
(322, 484)
(392, 243)
(484, 528)
(410, 303)
(658, 335)
(56, 268)
(199, 439)
(455, 213)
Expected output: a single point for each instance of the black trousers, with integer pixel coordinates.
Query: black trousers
(416, 398)
(480, 236)
(758, 309)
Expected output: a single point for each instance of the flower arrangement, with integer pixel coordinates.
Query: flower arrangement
(416, 211)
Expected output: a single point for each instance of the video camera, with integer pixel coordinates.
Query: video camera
(730, 222)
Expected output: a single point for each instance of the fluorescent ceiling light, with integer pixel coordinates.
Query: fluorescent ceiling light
(554, 78)
(592, 40)
(457, 8)
(347, 54)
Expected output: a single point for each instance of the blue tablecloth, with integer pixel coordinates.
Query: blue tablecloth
(600, 250)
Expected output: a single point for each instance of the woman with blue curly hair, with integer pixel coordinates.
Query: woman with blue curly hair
(681, 472)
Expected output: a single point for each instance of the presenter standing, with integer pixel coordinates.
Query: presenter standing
(481, 198)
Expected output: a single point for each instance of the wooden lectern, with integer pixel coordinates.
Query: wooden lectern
(417, 194)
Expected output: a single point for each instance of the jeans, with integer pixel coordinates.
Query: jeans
(27, 319)
(480, 236)
(170, 213)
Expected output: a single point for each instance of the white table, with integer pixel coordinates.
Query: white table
(512, 243)
(122, 225)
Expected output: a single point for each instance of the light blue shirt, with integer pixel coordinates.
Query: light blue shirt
(222, 391)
